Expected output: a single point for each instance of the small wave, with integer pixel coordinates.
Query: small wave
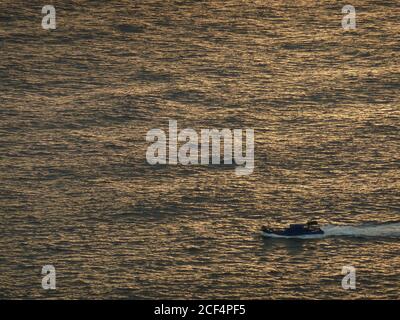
(365, 230)
(130, 28)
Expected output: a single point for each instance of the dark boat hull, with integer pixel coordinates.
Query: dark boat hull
(289, 234)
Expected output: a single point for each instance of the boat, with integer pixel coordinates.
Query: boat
(308, 230)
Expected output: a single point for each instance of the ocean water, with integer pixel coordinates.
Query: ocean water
(76, 190)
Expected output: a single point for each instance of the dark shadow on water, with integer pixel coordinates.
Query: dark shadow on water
(293, 246)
